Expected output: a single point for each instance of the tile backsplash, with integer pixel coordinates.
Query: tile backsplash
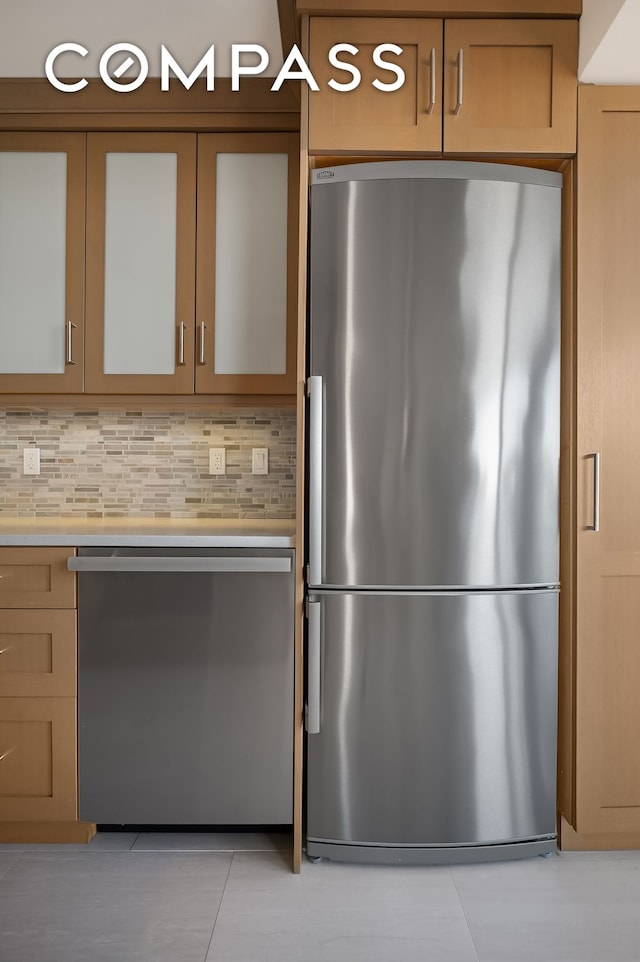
(146, 464)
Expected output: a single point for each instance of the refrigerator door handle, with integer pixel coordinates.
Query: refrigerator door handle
(595, 526)
(316, 435)
(313, 670)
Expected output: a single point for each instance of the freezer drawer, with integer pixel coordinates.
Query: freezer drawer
(437, 720)
(185, 697)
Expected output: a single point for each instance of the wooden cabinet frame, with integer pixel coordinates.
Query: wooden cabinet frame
(74, 146)
(209, 146)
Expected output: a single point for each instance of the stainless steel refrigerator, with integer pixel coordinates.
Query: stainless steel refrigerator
(433, 511)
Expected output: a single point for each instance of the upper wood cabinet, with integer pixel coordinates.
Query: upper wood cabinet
(143, 332)
(247, 257)
(141, 238)
(510, 86)
(42, 218)
(607, 708)
(369, 119)
(472, 86)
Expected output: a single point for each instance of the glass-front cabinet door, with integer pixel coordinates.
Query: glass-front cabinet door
(42, 221)
(141, 195)
(247, 258)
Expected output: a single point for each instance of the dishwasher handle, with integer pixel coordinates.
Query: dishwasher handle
(178, 563)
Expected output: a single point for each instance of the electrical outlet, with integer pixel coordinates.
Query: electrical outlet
(31, 460)
(217, 461)
(260, 461)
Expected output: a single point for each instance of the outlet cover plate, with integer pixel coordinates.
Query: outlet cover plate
(31, 461)
(217, 461)
(260, 461)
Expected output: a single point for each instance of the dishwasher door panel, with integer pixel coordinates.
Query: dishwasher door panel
(185, 695)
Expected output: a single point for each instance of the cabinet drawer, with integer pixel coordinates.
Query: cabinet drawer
(37, 653)
(36, 578)
(38, 759)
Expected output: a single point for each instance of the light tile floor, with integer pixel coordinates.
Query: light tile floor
(233, 898)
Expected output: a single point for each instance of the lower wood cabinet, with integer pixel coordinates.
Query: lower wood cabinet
(38, 759)
(37, 653)
(38, 679)
(36, 578)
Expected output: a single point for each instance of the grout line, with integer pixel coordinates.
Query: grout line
(224, 889)
(131, 847)
(18, 856)
(464, 914)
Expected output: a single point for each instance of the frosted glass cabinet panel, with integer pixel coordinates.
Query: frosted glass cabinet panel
(41, 262)
(141, 263)
(247, 230)
(251, 264)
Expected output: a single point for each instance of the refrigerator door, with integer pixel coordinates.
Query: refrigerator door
(437, 722)
(435, 319)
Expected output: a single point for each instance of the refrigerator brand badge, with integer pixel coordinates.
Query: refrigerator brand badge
(325, 174)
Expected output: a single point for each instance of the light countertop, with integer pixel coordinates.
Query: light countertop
(147, 532)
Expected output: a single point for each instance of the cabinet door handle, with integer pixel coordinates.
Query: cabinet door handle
(595, 526)
(460, 80)
(70, 327)
(181, 329)
(201, 359)
(432, 92)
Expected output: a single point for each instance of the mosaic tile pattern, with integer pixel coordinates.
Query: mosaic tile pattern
(113, 464)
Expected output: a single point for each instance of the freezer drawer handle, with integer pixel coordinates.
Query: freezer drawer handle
(316, 433)
(177, 564)
(313, 669)
(596, 491)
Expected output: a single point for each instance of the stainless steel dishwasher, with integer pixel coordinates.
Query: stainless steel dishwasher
(185, 696)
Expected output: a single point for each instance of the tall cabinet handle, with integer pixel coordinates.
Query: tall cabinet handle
(70, 328)
(595, 526)
(316, 435)
(460, 81)
(432, 80)
(181, 329)
(203, 328)
(312, 720)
